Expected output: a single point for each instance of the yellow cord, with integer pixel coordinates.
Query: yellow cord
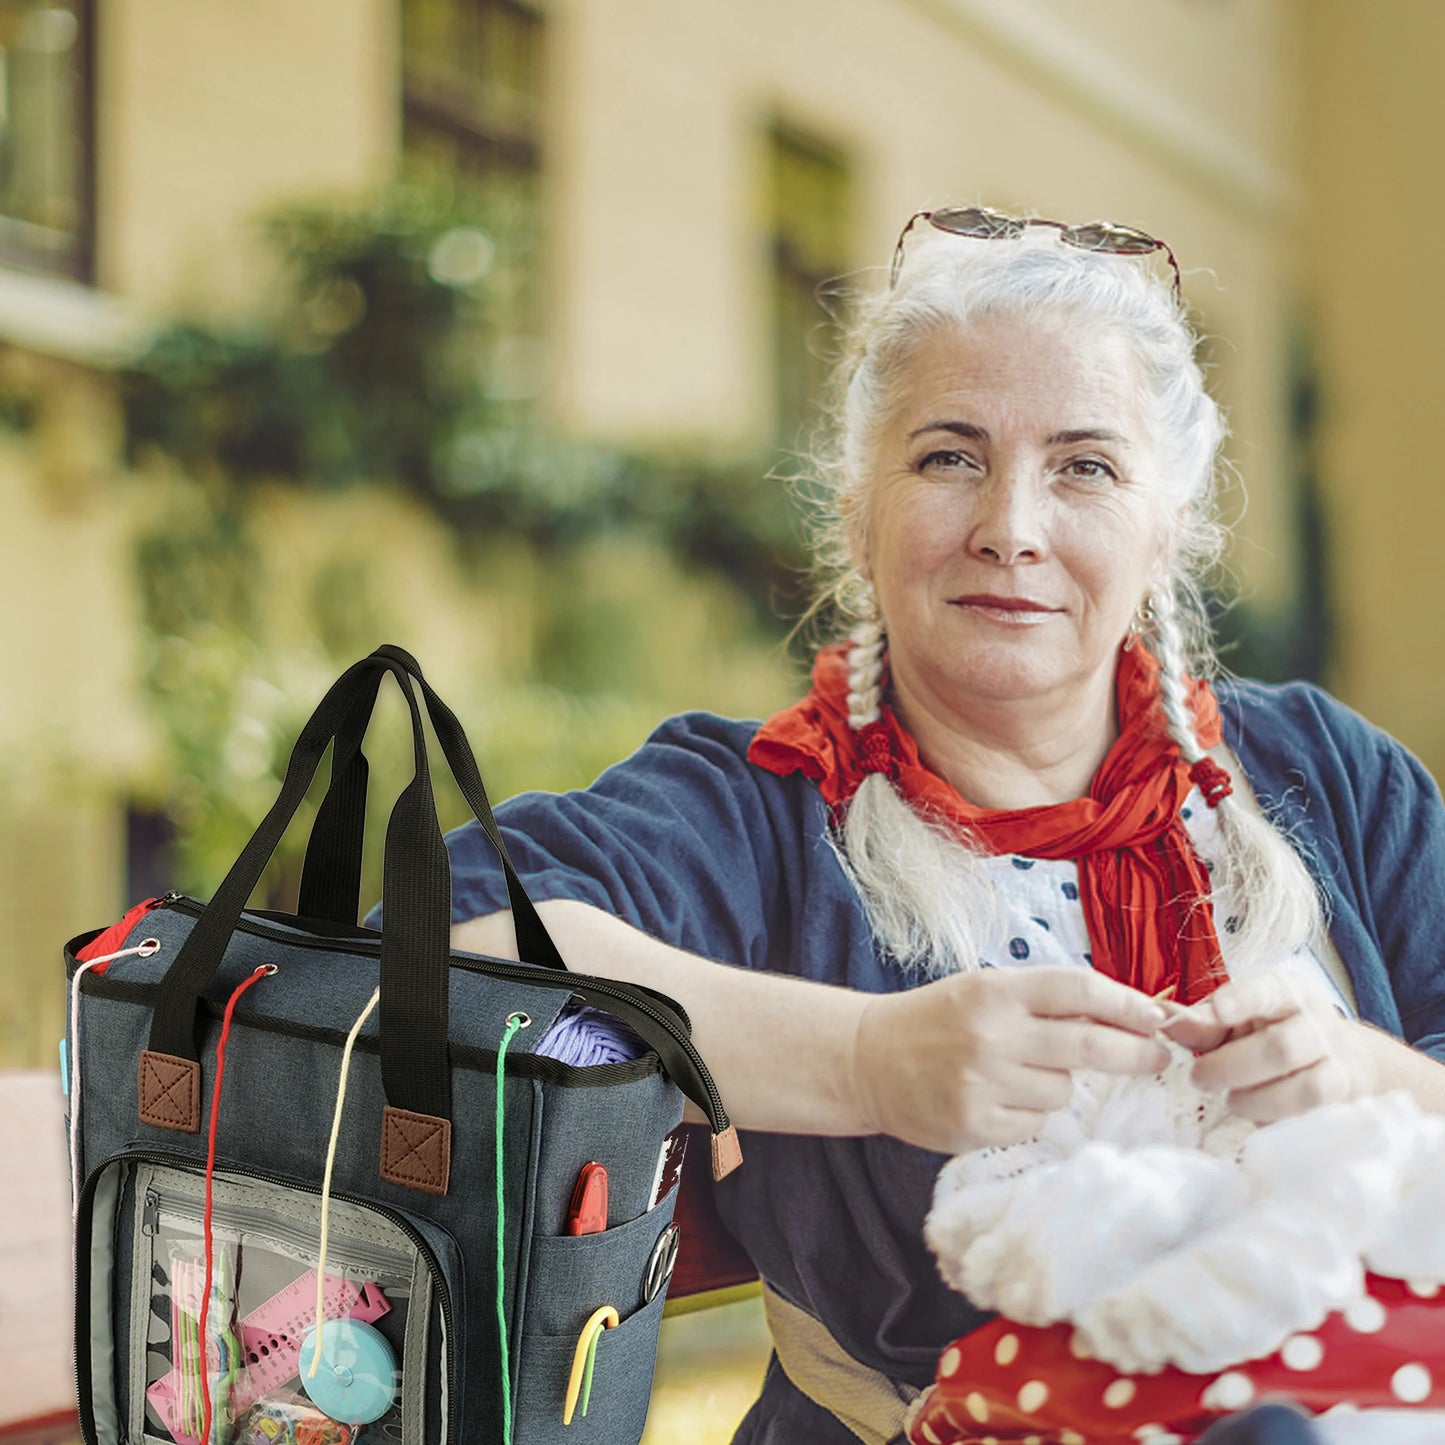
(603, 1318)
(326, 1181)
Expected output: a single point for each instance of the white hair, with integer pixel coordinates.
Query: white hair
(929, 897)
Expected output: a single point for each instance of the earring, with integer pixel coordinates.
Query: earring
(1142, 622)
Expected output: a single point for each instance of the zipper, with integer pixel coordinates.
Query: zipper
(585, 985)
(82, 1386)
(84, 1398)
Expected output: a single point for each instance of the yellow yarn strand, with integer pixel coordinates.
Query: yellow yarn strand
(603, 1318)
(326, 1181)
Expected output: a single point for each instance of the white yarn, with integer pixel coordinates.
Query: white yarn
(145, 948)
(1170, 1232)
(331, 1143)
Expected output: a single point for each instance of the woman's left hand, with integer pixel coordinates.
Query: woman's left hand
(1276, 1044)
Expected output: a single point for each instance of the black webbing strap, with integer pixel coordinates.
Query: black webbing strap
(416, 941)
(331, 880)
(331, 874)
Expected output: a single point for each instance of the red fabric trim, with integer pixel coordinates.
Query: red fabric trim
(114, 937)
(1144, 889)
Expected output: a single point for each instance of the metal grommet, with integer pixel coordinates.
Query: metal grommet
(149, 946)
(522, 1020)
(660, 1263)
(272, 968)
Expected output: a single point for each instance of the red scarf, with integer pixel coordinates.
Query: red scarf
(1144, 889)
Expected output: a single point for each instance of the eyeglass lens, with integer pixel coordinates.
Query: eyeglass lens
(978, 222)
(1100, 236)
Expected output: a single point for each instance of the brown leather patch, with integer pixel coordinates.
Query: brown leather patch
(170, 1092)
(416, 1150)
(727, 1153)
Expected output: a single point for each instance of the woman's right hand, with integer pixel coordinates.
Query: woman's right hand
(981, 1059)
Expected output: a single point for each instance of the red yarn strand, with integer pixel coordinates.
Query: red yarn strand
(241, 988)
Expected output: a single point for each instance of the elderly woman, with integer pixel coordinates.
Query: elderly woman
(1011, 830)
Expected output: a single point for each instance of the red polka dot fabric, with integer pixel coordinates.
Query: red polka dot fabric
(1027, 1386)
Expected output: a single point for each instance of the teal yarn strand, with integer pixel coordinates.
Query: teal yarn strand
(514, 1022)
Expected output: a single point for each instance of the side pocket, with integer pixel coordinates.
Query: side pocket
(572, 1276)
(97, 1351)
(621, 1385)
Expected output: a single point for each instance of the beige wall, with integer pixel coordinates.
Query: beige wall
(660, 267)
(69, 721)
(1374, 117)
(209, 113)
(68, 609)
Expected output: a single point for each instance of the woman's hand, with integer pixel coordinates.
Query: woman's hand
(982, 1058)
(1275, 1042)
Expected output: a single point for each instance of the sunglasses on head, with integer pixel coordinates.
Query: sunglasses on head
(982, 223)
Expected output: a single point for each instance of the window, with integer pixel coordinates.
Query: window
(810, 203)
(150, 839)
(46, 151)
(473, 85)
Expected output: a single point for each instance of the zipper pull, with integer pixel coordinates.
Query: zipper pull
(150, 1220)
(165, 900)
(727, 1153)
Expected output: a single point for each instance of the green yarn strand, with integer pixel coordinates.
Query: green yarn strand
(514, 1023)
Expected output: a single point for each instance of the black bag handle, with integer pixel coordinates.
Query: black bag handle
(331, 872)
(415, 943)
(331, 875)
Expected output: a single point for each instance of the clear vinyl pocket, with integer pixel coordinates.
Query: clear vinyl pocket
(379, 1351)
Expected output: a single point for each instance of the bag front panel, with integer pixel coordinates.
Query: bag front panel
(275, 1119)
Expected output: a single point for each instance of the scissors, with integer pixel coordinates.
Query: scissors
(660, 1263)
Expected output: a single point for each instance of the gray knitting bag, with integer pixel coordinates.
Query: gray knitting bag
(470, 1290)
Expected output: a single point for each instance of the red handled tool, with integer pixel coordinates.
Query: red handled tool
(587, 1213)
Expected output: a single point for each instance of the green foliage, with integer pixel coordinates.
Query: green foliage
(367, 361)
(17, 394)
(232, 677)
(381, 361)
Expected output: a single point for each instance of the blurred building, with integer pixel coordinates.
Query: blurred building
(684, 178)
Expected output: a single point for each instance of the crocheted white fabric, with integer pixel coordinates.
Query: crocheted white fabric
(1170, 1232)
